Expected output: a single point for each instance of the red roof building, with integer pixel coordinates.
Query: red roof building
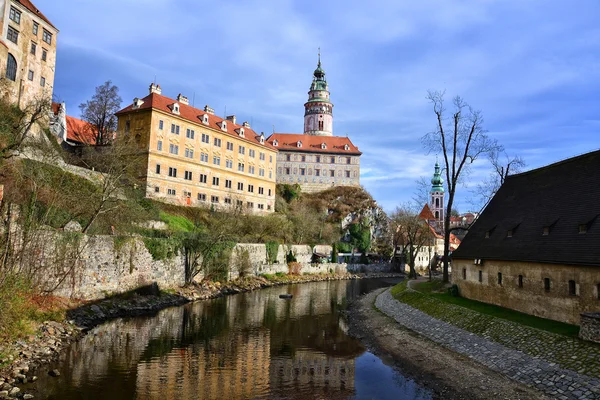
(317, 160)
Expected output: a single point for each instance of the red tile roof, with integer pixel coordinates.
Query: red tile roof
(426, 213)
(31, 7)
(80, 131)
(333, 144)
(192, 114)
(55, 108)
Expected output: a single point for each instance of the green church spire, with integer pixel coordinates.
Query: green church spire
(437, 181)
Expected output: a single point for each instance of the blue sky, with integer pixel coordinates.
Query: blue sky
(531, 66)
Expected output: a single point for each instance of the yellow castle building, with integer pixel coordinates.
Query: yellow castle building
(197, 158)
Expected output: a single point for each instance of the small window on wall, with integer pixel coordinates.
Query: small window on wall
(547, 284)
(598, 291)
(156, 189)
(464, 274)
(572, 288)
(480, 276)
(520, 281)
(500, 278)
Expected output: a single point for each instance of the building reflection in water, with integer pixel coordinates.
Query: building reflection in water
(251, 345)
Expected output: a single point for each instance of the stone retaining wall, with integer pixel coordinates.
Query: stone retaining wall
(107, 265)
(589, 328)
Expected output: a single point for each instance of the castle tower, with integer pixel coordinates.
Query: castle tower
(318, 110)
(437, 195)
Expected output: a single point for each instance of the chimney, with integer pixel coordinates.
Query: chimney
(230, 118)
(245, 124)
(209, 110)
(182, 99)
(154, 88)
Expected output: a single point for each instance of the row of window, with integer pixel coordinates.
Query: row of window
(318, 172)
(324, 159)
(189, 176)
(205, 138)
(582, 229)
(33, 50)
(204, 157)
(547, 283)
(214, 199)
(15, 16)
(42, 79)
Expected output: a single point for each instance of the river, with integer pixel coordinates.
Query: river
(247, 346)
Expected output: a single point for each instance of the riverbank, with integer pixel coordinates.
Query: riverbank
(448, 374)
(23, 357)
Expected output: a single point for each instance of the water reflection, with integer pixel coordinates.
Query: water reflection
(253, 345)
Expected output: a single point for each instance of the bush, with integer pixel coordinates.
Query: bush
(162, 249)
(14, 292)
(294, 268)
(272, 251)
(334, 256)
(453, 291)
(242, 261)
(290, 257)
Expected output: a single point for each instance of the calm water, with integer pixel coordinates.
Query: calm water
(247, 346)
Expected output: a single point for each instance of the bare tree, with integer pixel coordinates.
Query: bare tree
(409, 232)
(461, 139)
(421, 194)
(100, 111)
(17, 125)
(503, 165)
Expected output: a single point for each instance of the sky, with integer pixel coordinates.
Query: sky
(532, 67)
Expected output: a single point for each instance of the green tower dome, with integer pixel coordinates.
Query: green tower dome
(437, 181)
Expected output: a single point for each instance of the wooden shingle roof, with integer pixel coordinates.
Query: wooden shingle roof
(558, 199)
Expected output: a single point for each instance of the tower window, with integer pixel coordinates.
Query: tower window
(464, 273)
(437, 214)
(320, 125)
(437, 202)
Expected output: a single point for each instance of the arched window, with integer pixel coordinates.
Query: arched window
(11, 68)
(437, 214)
(437, 203)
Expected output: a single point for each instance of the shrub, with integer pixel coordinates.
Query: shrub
(272, 251)
(453, 291)
(242, 261)
(334, 256)
(290, 257)
(294, 268)
(162, 249)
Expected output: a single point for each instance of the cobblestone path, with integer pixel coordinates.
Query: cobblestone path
(535, 371)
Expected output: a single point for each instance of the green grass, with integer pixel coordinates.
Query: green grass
(430, 290)
(177, 223)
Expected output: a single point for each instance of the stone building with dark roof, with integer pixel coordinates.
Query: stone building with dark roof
(536, 246)
(317, 160)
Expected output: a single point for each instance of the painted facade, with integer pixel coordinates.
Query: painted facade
(27, 52)
(317, 160)
(199, 159)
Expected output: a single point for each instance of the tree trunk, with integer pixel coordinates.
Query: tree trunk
(446, 277)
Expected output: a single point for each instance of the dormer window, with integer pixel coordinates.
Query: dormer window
(346, 147)
(224, 126)
(262, 138)
(487, 235)
(275, 143)
(175, 108)
(323, 146)
(582, 228)
(546, 231)
(242, 132)
(205, 119)
(137, 102)
(509, 234)
(299, 144)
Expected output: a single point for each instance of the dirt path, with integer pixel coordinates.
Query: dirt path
(449, 375)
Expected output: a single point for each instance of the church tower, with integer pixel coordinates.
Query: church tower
(437, 195)
(318, 110)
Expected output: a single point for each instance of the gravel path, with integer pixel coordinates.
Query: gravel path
(533, 371)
